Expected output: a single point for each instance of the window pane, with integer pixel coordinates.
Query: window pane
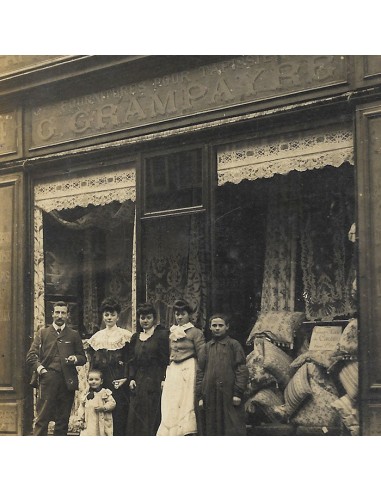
(282, 245)
(174, 265)
(173, 181)
(88, 256)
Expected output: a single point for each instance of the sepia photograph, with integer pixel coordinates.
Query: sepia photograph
(189, 247)
(193, 225)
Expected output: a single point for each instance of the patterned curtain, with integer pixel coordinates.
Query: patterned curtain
(327, 256)
(175, 267)
(312, 212)
(90, 290)
(278, 288)
(118, 251)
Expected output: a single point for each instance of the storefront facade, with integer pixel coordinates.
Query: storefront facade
(245, 184)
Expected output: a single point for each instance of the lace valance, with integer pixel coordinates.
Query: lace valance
(300, 151)
(92, 189)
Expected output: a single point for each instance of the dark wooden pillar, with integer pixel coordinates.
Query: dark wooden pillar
(368, 140)
(12, 325)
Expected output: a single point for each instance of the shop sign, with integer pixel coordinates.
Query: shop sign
(8, 133)
(325, 338)
(231, 83)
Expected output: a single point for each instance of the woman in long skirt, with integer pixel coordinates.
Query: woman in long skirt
(149, 360)
(178, 417)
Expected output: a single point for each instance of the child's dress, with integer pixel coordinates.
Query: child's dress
(97, 423)
(222, 374)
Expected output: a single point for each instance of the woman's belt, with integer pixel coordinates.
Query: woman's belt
(192, 356)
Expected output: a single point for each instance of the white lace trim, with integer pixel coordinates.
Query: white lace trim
(114, 340)
(94, 189)
(280, 155)
(177, 331)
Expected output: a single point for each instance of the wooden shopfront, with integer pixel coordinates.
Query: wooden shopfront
(231, 181)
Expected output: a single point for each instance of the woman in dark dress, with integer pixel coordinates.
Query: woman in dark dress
(109, 352)
(148, 363)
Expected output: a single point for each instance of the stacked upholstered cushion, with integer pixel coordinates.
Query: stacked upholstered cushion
(268, 400)
(349, 339)
(279, 326)
(321, 358)
(348, 374)
(297, 390)
(348, 344)
(276, 362)
(349, 379)
(348, 413)
(269, 373)
(317, 410)
(303, 392)
(258, 377)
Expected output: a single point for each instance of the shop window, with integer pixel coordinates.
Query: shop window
(174, 265)
(282, 245)
(87, 256)
(173, 233)
(84, 237)
(284, 250)
(173, 181)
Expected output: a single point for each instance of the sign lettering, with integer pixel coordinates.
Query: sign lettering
(325, 337)
(234, 82)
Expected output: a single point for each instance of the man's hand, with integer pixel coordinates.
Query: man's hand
(119, 382)
(236, 401)
(132, 385)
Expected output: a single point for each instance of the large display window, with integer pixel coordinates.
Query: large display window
(84, 245)
(285, 270)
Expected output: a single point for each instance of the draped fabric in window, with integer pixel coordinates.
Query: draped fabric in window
(308, 260)
(94, 214)
(175, 265)
(83, 205)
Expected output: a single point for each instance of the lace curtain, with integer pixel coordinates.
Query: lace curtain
(327, 255)
(118, 219)
(175, 267)
(97, 190)
(278, 288)
(280, 154)
(302, 217)
(64, 193)
(311, 213)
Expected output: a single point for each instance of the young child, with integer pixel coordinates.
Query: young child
(222, 377)
(94, 412)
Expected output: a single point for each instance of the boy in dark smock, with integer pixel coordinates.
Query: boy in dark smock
(222, 377)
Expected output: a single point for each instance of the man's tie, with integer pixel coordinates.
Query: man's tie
(59, 330)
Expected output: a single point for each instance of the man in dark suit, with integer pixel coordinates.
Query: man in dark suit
(55, 352)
